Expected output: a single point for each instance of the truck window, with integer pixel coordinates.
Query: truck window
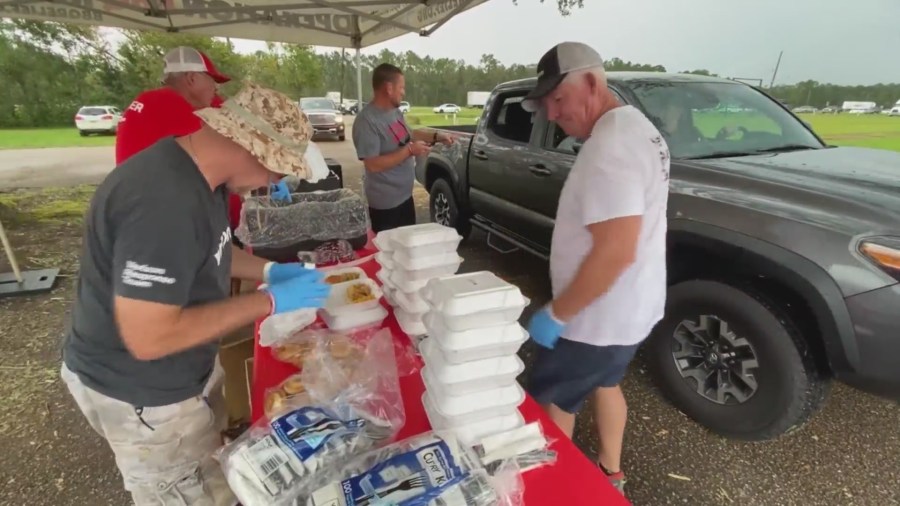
(509, 121)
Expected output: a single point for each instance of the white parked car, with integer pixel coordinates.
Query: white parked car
(98, 119)
(895, 111)
(447, 109)
(404, 107)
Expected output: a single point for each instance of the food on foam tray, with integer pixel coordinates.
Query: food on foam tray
(359, 292)
(342, 278)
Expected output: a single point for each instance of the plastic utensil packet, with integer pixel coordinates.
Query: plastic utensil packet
(277, 459)
(427, 469)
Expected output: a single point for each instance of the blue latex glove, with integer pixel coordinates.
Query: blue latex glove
(303, 292)
(280, 191)
(544, 328)
(275, 272)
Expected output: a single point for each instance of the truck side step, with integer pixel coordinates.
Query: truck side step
(496, 248)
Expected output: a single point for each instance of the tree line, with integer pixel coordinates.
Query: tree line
(49, 70)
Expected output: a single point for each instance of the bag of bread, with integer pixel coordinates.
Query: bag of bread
(277, 399)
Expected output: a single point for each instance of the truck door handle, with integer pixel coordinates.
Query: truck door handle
(540, 169)
(479, 154)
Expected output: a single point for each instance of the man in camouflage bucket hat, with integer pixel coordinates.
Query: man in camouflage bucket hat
(266, 123)
(153, 292)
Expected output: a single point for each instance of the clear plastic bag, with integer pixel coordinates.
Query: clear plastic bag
(329, 253)
(278, 328)
(347, 401)
(315, 216)
(429, 469)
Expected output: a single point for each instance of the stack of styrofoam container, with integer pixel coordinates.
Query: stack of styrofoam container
(470, 355)
(409, 257)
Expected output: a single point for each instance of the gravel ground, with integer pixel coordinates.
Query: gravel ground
(849, 454)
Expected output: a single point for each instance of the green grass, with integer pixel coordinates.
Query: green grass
(26, 138)
(863, 130)
(868, 130)
(423, 116)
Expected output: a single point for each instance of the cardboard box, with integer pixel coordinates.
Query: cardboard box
(236, 348)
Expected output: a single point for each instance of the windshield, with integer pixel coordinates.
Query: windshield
(316, 103)
(708, 120)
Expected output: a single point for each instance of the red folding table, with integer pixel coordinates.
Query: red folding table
(573, 480)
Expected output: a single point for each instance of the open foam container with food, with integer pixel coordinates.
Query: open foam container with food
(353, 296)
(338, 275)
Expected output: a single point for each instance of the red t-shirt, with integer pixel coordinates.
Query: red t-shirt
(160, 113)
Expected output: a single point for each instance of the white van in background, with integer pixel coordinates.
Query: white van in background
(860, 107)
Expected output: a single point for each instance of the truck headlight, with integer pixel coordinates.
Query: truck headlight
(338, 119)
(884, 252)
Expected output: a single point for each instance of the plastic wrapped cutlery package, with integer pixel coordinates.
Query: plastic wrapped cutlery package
(433, 468)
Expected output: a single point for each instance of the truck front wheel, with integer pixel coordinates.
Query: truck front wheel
(729, 359)
(444, 208)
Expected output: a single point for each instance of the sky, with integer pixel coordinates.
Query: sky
(837, 41)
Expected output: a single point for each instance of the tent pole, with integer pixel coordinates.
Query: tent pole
(358, 81)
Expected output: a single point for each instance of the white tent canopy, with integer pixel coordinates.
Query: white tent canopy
(335, 23)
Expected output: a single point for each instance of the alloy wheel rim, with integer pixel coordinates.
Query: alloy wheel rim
(442, 210)
(720, 365)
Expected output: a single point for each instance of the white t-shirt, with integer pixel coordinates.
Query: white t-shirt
(622, 170)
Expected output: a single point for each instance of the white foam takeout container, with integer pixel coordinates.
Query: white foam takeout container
(410, 324)
(402, 259)
(471, 433)
(406, 285)
(470, 377)
(405, 275)
(337, 302)
(474, 292)
(390, 295)
(385, 259)
(382, 241)
(355, 320)
(468, 408)
(474, 344)
(412, 303)
(423, 240)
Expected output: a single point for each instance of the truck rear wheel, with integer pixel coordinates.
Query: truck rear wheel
(444, 208)
(730, 360)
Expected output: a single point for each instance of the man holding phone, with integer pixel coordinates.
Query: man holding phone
(388, 149)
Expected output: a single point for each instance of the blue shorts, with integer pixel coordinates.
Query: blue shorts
(572, 370)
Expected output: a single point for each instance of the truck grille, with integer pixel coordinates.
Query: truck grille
(322, 119)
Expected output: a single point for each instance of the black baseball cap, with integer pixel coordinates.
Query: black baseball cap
(555, 65)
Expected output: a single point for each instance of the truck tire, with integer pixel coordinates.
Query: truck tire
(759, 378)
(444, 208)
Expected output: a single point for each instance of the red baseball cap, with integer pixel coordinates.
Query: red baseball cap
(188, 59)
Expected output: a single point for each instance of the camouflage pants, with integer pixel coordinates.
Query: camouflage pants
(163, 453)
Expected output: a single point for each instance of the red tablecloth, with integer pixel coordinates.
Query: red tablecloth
(573, 480)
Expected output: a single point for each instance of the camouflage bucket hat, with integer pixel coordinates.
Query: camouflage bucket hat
(266, 123)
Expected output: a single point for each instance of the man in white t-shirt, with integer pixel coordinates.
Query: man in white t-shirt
(608, 257)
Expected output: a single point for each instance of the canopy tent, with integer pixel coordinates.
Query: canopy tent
(336, 23)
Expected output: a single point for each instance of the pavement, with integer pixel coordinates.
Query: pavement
(28, 168)
(849, 453)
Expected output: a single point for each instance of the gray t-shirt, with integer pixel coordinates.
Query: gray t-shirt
(378, 132)
(155, 232)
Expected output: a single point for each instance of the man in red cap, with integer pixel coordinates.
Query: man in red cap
(190, 81)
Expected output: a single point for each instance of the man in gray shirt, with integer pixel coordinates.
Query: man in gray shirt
(139, 357)
(388, 149)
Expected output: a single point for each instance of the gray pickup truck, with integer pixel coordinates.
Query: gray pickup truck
(784, 252)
